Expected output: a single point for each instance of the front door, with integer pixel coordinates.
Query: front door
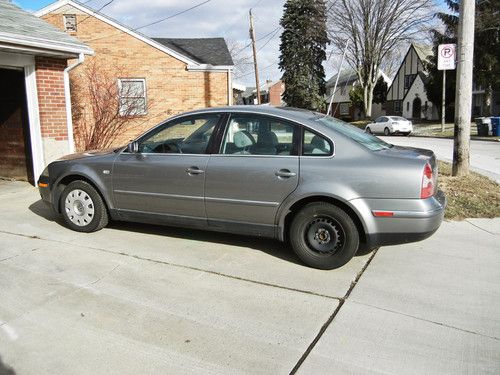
(417, 109)
(166, 176)
(256, 169)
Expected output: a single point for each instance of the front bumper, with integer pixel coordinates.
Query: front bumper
(44, 190)
(412, 220)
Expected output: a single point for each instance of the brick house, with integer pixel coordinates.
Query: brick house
(35, 102)
(169, 75)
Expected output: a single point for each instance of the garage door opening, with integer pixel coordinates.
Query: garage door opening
(15, 149)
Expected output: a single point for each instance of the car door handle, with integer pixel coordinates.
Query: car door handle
(194, 170)
(285, 173)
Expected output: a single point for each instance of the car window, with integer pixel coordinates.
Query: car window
(360, 136)
(258, 135)
(188, 135)
(315, 145)
(378, 119)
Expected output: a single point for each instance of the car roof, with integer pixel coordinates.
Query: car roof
(290, 113)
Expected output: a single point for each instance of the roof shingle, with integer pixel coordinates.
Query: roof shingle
(211, 51)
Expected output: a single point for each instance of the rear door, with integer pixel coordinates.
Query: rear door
(256, 169)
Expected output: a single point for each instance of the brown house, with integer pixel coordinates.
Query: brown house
(35, 101)
(163, 76)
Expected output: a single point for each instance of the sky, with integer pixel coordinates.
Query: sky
(216, 18)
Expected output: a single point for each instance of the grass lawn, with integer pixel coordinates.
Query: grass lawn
(470, 196)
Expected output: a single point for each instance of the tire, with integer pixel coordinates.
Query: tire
(363, 249)
(387, 131)
(406, 134)
(78, 213)
(368, 130)
(340, 239)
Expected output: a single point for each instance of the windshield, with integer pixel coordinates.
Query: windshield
(367, 140)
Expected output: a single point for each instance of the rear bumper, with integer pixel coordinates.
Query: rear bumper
(412, 220)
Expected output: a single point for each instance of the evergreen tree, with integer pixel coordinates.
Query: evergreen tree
(303, 44)
(486, 53)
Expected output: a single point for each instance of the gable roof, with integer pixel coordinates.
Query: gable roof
(178, 53)
(348, 75)
(211, 51)
(424, 52)
(20, 27)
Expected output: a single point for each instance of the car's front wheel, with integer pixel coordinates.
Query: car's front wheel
(368, 130)
(324, 236)
(83, 208)
(387, 131)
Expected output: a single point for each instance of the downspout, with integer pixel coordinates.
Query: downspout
(67, 96)
(229, 87)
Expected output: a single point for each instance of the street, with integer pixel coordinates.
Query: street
(147, 299)
(484, 155)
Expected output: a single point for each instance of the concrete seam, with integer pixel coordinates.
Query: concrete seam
(478, 227)
(426, 320)
(182, 266)
(332, 317)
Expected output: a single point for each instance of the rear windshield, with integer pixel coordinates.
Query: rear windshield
(367, 140)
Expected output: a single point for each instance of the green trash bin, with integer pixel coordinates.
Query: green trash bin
(482, 124)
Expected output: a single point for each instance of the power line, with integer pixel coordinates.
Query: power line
(153, 23)
(97, 11)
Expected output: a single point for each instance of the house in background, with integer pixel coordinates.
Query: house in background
(341, 105)
(168, 75)
(35, 107)
(406, 96)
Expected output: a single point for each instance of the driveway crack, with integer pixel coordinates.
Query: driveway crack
(332, 317)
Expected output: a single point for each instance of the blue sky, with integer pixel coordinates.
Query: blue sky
(226, 18)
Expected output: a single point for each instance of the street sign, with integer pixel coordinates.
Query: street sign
(446, 56)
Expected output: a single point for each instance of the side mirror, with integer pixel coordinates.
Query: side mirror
(133, 147)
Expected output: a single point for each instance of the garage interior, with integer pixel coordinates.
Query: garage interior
(15, 147)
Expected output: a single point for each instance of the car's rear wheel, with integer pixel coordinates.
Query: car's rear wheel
(82, 207)
(368, 130)
(323, 236)
(406, 134)
(387, 131)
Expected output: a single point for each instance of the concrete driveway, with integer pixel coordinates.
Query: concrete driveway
(144, 299)
(484, 155)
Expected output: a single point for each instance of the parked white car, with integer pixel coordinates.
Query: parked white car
(390, 125)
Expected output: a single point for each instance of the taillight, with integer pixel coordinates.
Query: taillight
(427, 189)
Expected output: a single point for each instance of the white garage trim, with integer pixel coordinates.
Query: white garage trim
(27, 62)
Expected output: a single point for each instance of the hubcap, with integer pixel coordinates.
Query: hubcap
(79, 207)
(324, 235)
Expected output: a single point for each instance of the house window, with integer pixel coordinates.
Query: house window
(344, 109)
(407, 106)
(70, 22)
(409, 80)
(397, 106)
(132, 92)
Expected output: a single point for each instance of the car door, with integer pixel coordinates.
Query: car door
(165, 176)
(381, 124)
(256, 169)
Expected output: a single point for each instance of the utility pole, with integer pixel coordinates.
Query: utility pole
(252, 36)
(463, 101)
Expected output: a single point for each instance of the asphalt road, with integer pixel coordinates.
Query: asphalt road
(484, 155)
(141, 299)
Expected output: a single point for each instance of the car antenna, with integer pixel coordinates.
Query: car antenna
(337, 79)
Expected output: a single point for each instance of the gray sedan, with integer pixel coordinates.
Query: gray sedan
(326, 187)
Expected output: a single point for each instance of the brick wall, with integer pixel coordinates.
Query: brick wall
(171, 89)
(275, 92)
(51, 100)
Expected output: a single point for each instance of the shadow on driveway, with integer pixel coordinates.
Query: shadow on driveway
(5, 369)
(268, 246)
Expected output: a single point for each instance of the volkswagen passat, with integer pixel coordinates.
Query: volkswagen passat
(326, 187)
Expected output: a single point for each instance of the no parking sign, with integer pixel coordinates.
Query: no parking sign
(446, 56)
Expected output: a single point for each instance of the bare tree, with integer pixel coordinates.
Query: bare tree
(102, 107)
(374, 30)
(242, 58)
